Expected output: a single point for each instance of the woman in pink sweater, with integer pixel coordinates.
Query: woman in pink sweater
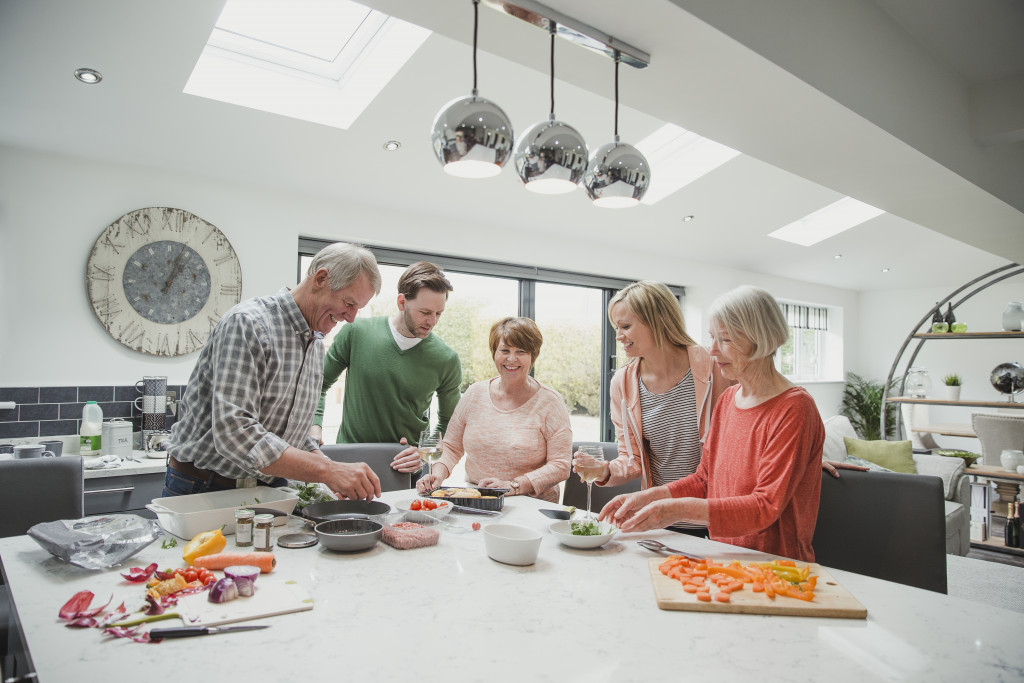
(513, 430)
(759, 480)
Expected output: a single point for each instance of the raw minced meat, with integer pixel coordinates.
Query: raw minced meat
(406, 535)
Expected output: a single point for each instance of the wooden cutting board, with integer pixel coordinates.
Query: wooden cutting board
(271, 599)
(830, 599)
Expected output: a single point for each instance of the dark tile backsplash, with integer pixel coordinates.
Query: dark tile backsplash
(57, 411)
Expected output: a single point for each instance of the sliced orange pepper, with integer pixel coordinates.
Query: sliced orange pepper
(206, 543)
(735, 572)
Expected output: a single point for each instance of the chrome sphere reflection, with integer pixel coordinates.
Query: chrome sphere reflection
(618, 176)
(472, 137)
(1008, 378)
(551, 157)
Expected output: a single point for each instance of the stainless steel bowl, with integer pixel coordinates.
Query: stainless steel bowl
(348, 535)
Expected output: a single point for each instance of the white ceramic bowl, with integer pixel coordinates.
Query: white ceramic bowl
(563, 532)
(511, 543)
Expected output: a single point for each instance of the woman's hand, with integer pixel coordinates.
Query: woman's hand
(429, 482)
(831, 466)
(584, 459)
(624, 506)
(495, 483)
(407, 460)
(657, 514)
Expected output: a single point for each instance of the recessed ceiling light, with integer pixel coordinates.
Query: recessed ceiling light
(837, 257)
(687, 219)
(885, 270)
(826, 222)
(392, 145)
(88, 76)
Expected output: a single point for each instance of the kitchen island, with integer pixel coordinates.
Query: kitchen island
(448, 613)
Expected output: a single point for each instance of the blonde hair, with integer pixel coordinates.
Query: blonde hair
(521, 333)
(753, 313)
(658, 309)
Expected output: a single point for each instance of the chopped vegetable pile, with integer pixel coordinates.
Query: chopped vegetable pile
(310, 493)
(779, 577)
(590, 528)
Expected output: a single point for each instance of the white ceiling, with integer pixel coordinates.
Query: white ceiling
(860, 98)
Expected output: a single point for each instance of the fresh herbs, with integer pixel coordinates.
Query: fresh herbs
(169, 543)
(589, 528)
(311, 493)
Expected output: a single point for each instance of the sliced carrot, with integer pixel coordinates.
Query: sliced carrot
(735, 586)
(785, 563)
(689, 589)
(722, 596)
(704, 597)
(265, 561)
(758, 587)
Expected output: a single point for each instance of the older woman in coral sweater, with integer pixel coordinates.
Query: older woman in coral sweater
(759, 480)
(513, 430)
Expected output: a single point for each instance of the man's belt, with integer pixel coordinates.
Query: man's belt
(190, 470)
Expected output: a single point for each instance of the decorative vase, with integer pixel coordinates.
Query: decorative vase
(952, 392)
(1011, 458)
(917, 384)
(1013, 317)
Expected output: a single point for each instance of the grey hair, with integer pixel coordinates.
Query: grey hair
(344, 263)
(753, 313)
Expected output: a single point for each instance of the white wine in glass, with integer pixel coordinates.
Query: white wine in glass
(589, 463)
(429, 448)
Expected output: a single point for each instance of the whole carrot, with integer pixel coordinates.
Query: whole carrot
(265, 561)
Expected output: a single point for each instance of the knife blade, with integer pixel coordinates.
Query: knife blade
(189, 631)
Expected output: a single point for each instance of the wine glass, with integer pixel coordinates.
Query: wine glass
(429, 447)
(589, 463)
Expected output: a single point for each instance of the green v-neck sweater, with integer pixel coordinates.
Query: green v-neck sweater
(388, 390)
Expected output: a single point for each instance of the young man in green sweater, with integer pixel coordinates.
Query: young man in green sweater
(395, 366)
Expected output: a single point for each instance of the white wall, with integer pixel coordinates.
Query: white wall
(888, 317)
(52, 209)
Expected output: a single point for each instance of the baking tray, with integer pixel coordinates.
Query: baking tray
(495, 504)
(186, 516)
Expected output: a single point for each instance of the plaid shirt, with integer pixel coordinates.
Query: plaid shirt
(253, 391)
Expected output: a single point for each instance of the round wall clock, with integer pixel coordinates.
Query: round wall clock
(159, 279)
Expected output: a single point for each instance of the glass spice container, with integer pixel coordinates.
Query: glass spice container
(261, 537)
(244, 523)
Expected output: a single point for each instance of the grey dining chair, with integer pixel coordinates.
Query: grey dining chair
(996, 433)
(378, 456)
(575, 491)
(32, 491)
(883, 524)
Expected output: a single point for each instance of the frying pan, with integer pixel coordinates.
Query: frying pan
(345, 509)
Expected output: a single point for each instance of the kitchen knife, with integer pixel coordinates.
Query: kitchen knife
(189, 631)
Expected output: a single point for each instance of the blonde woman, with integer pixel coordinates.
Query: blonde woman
(759, 480)
(513, 430)
(661, 401)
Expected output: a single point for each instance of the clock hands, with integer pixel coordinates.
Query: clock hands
(176, 268)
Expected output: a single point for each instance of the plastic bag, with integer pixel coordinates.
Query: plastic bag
(96, 542)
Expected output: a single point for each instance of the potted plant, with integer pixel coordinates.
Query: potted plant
(862, 404)
(952, 383)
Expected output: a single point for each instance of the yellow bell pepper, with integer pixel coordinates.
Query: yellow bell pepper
(206, 543)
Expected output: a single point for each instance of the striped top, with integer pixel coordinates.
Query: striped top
(670, 428)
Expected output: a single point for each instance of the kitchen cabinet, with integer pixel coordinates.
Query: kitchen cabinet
(125, 489)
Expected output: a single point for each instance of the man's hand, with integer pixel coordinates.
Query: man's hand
(353, 480)
(317, 432)
(407, 460)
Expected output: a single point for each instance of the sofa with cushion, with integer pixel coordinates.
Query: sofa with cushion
(843, 445)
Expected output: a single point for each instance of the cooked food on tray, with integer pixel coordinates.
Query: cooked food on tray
(457, 493)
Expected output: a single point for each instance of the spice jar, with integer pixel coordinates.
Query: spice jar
(261, 537)
(244, 523)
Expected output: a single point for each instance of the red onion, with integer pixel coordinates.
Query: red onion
(244, 577)
(223, 591)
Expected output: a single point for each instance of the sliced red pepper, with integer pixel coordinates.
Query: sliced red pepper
(78, 606)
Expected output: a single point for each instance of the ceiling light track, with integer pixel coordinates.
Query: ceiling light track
(572, 30)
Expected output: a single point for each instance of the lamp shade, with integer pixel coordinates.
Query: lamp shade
(618, 176)
(472, 137)
(551, 157)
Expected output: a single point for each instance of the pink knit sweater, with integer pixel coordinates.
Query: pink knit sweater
(533, 441)
(761, 474)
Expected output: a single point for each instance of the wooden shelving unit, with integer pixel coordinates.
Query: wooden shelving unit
(969, 335)
(942, 402)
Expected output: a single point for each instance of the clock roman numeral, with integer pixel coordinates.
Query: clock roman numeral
(116, 248)
(230, 290)
(224, 259)
(132, 333)
(108, 309)
(213, 322)
(136, 226)
(100, 273)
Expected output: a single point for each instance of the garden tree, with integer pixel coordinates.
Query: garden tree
(570, 363)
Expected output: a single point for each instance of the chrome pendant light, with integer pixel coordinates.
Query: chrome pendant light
(551, 156)
(618, 174)
(472, 136)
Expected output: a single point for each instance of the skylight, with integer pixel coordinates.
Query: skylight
(677, 157)
(827, 222)
(322, 61)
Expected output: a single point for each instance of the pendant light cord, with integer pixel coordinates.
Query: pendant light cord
(552, 27)
(476, 26)
(618, 58)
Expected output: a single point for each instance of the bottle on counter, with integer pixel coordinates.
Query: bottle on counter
(1011, 534)
(90, 436)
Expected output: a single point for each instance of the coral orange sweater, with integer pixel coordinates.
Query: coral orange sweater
(761, 474)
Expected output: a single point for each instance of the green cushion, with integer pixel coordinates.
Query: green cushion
(897, 456)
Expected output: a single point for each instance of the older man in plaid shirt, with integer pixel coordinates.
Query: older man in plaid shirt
(245, 416)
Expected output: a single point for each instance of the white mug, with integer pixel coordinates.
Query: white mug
(34, 450)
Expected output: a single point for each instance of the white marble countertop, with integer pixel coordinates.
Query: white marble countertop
(448, 612)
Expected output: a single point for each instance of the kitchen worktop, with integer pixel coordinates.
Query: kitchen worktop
(449, 612)
(139, 464)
